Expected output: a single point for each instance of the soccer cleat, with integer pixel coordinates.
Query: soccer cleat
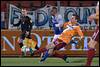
(41, 61)
(32, 54)
(65, 59)
(23, 54)
(44, 57)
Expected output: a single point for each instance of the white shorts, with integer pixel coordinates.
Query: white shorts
(55, 37)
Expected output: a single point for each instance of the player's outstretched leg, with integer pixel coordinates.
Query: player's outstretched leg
(45, 56)
(90, 55)
(63, 56)
(91, 52)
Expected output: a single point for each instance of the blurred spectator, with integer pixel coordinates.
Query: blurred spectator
(2, 20)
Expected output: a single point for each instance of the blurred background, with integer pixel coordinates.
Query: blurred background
(35, 5)
(39, 12)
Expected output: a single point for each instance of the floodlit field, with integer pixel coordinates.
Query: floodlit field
(74, 61)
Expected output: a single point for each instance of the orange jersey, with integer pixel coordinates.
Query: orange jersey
(68, 23)
(66, 35)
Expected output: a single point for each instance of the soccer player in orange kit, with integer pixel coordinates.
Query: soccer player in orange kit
(73, 29)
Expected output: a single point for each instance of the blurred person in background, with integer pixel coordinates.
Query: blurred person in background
(95, 37)
(26, 27)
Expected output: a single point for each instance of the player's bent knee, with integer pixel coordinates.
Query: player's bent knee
(49, 46)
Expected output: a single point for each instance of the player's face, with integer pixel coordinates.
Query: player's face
(24, 12)
(73, 19)
(53, 12)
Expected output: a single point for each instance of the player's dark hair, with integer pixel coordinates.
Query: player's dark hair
(54, 8)
(76, 17)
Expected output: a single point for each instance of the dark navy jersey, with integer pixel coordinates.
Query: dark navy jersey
(55, 21)
(25, 22)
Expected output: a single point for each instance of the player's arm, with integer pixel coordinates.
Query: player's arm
(93, 16)
(80, 33)
(17, 23)
(60, 21)
(67, 24)
(30, 23)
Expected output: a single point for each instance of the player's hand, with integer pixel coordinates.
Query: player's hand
(91, 18)
(82, 37)
(30, 21)
(27, 32)
(57, 25)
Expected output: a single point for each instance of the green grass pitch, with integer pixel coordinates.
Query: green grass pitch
(74, 61)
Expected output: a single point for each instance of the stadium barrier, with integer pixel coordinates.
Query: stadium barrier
(10, 47)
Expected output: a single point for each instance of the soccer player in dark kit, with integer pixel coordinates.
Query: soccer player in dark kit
(26, 27)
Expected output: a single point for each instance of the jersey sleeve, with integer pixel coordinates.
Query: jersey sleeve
(80, 33)
(60, 20)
